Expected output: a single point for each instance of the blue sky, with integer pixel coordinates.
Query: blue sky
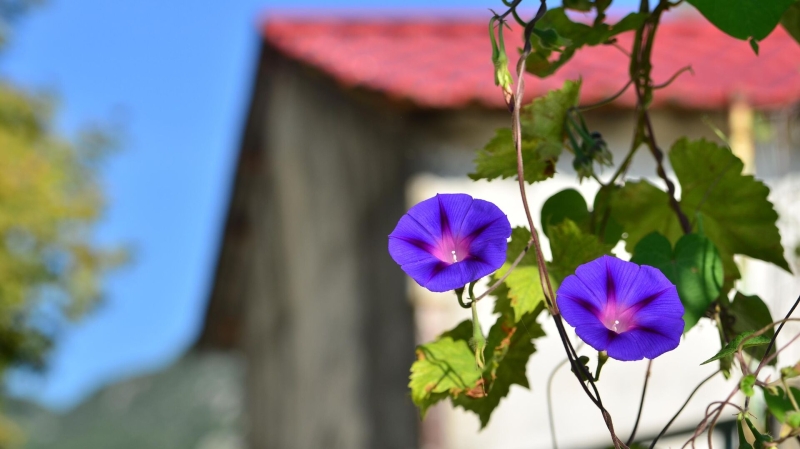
(176, 75)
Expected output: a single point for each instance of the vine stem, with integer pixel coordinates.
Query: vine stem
(680, 410)
(641, 403)
(580, 371)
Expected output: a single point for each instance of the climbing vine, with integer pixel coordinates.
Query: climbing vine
(682, 269)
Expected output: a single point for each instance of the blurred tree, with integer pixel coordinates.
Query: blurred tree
(50, 198)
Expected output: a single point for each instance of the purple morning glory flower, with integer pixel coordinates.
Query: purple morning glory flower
(630, 311)
(450, 240)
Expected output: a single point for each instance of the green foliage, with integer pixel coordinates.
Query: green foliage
(749, 314)
(642, 208)
(694, 266)
(761, 440)
(735, 212)
(549, 55)
(566, 204)
(747, 383)
(443, 367)
(572, 247)
(731, 348)
(506, 364)
(728, 207)
(446, 367)
(778, 403)
(542, 128)
(569, 204)
(791, 20)
(743, 19)
(49, 200)
(522, 292)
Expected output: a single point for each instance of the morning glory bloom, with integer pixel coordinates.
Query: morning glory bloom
(630, 311)
(450, 240)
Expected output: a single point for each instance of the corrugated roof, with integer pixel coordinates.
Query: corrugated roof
(446, 64)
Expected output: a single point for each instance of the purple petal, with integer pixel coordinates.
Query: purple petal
(622, 278)
(446, 278)
(441, 215)
(655, 337)
(653, 294)
(483, 222)
(630, 311)
(595, 335)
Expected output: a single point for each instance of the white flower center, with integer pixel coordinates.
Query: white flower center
(455, 258)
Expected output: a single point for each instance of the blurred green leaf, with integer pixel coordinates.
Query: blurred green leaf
(694, 266)
(779, 403)
(746, 384)
(749, 314)
(579, 5)
(743, 19)
(733, 346)
(791, 20)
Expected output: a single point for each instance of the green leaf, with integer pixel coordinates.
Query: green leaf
(602, 223)
(733, 346)
(578, 5)
(735, 212)
(743, 444)
(694, 267)
(567, 203)
(793, 419)
(642, 208)
(749, 314)
(760, 438)
(507, 354)
(524, 289)
(542, 128)
(571, 248)
(746, 384)
(791, 20)
(743, 19)
(726, 206)
(574, 35)
(443, 367)
(779, 403)
(520, 237)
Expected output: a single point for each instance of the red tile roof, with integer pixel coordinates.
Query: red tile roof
(446, 64)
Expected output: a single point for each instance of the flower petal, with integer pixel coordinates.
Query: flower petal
(595, 335)
(653, 294)
(608, 292)
(651, 339)
(622, 278)
(424, 270)
(583, 288)
(484, 221)
(442, 215)
(447, 277)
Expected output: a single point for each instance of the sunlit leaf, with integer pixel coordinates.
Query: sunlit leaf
(542, 130)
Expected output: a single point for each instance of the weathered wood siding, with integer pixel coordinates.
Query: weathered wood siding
(328, 331)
